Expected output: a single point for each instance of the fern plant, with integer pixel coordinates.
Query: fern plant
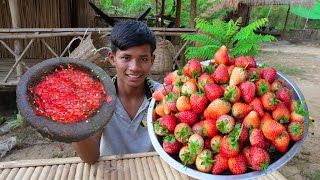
(239, 42)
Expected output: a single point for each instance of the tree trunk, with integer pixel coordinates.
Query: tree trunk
(242, 11)
(16, 23)
(193, 13)
(286, 21)
(177, 25)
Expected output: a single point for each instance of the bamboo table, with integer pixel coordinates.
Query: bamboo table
(129, 166)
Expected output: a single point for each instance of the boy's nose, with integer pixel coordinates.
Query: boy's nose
(135, 65)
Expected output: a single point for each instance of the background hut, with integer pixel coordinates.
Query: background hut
(44, 14)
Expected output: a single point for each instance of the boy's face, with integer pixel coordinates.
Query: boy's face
(132, 65)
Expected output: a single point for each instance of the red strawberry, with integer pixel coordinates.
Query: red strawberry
(245, 152)
(242, 62)
(295, 117)
(256, 104)
(168, 78)
(194, 68)
(185, 70)
(238, 164)
(198, 102)
(269, 74)
(216, 108)
(262, 87)
(182, 132)
(195, 144)
(281, 113)
(186, 157)
(177, 88)
(238, 75)
(213, 91)
(244, 132)
(296, 131)
(204, 161)
(232, 94)
(183, 103)
(189, 117)
(284, 95)
(225, 124)
(220, 165)
(205, 78)
(221, 56)
(221, 74)
(209, 127)
(169, 122)
(231, 61)
(282, 142)
(252, 120)
(252, 62)
(265, 117)
(229, 147)
(170, 144)
(230, 69)
(259, 158)
(257, 139)
(248, 91)
(215, 143)
(207, 144)
(269, 101)
(171, 102)
(253, 74)
(197, 128)
(276, 85)
(240, 110)
(272, 129)
(160, 93)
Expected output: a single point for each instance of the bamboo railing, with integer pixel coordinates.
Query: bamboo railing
(32, 34)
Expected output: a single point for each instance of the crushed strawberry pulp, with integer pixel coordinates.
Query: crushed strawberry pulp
(68, 95)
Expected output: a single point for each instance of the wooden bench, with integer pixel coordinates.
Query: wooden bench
(129, 166)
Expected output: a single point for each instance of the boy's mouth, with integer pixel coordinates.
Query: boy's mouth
(133, 77)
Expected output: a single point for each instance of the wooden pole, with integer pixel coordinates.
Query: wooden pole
(163, 8)
(193, 13)
(286, 21)
(15, 18)
(157, 22)
(178, 14)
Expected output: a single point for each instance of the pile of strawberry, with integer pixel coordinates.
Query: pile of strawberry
(227, 115)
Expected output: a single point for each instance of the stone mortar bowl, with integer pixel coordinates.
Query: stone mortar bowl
(55, 130)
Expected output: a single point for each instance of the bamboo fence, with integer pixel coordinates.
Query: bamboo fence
(142, 166)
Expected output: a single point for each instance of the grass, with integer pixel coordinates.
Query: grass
(309, 174)
(56, 155)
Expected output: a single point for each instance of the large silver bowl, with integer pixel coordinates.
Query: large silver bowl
(277, 159)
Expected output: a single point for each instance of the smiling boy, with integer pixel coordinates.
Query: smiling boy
(132, 46)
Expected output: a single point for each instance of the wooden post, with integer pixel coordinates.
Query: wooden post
(193, 13)
(157, 22)
(163, 8)
(178, 14)
(286, 21)
(15, 18)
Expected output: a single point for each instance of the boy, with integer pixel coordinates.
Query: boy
(132, 46)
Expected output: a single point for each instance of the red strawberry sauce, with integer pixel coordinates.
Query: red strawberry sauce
(68, 95)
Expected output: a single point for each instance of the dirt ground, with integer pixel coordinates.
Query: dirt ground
(300, 61)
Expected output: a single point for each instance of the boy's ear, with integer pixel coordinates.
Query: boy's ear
(152, 58)
(111, 57)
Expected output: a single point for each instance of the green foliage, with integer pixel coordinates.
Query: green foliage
(239, 42)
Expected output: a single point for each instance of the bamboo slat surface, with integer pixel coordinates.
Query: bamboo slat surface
(129, 166)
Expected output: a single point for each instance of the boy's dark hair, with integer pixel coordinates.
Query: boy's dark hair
(126, 34)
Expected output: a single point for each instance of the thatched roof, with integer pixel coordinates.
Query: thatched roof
(234, 4)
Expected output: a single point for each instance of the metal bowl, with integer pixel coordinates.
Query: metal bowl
(276, 159)
(55, 130)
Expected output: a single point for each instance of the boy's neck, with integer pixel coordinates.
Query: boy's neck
(128, 91)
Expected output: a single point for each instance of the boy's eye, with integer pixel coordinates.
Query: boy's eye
(144, 59)
(126, 58)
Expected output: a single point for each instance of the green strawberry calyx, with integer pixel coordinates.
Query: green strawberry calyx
(295, 129)
(207, 159)
(184, 133)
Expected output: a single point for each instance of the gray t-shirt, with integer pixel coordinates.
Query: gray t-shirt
(123, 135)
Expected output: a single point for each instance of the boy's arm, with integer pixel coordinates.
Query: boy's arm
(88, 149)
